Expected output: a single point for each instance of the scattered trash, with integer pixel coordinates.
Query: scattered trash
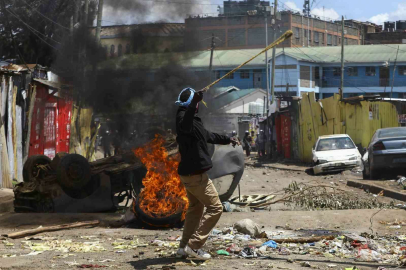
(271, 244)
(64, 246)
(367, 255)
(222, 252)
(305, 264)
(248, 252)
(7, 243)
(331, 265)
(247, 226)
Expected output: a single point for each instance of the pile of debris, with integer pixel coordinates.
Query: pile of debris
(246, 240)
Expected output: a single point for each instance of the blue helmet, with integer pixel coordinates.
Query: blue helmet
(186, 103)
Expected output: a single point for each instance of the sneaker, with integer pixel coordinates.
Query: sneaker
(181, 253)
(198, 254)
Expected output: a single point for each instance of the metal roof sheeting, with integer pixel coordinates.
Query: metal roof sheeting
(228, 59)
(230, 97)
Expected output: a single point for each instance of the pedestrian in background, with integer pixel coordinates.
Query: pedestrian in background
(247, 140)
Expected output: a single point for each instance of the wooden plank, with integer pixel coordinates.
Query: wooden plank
(10, 148)
(5, 181)
(3, 97)
(85, 121)
(13, 110)
(30, 112)
(52, 229)
(19, 144)
(90, 152)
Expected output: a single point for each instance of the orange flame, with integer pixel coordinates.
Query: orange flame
(163, 194)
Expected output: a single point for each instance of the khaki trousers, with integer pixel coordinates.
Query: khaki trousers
(199, 223)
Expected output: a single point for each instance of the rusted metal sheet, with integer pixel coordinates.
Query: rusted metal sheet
(286, 125)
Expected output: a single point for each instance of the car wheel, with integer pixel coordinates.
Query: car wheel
(73, 172)
(373, 174)
(364, 174)
(30, 170)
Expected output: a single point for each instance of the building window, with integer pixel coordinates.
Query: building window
(352, 71)
(335, 40)
(370, 71)
(310, 35)
(316, 37)
(329, 40)
(231, 76)
(322, 38)
(297, 32)
(120, 50)
(245, 74)
(339, 41)
(337, 71)
(402, 70)
(112, 50)
(127, 48)
(217, 74)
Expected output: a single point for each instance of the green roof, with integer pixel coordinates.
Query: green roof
(228, 59)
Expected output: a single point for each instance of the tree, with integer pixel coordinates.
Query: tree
(32, 31)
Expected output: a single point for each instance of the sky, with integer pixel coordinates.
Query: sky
(376, 11)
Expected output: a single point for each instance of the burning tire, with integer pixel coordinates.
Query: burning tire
(31, 170)
(175, 219)
(74, 172)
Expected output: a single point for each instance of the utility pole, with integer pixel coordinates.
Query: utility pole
(99, 20)
(211, 53)
(86, 17)
(342, 60)
(393, 75)
(213, 44)
(266, 60)
(273, 54)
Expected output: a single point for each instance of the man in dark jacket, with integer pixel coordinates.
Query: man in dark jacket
(192, 139)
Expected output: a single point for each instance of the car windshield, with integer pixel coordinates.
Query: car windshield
(392, 132)
(335, 144)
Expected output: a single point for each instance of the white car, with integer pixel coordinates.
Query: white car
(335, 153)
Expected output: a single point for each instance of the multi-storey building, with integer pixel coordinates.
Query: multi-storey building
(246, 29)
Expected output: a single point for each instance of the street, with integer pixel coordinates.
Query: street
(134, 248)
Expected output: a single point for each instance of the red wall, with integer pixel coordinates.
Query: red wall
(50, 129)
(283, 134)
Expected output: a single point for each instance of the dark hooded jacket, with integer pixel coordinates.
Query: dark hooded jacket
(192, 139)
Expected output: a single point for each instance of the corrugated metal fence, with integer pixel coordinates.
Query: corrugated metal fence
(331, 116)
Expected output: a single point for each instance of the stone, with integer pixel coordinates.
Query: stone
(247, 226)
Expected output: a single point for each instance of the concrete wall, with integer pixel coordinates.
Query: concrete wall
(385, 38)
(330, 116)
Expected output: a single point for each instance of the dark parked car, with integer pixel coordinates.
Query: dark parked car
(386, 153)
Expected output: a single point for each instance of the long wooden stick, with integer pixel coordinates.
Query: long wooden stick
(51, 229)
(281, 39)
(305, 239)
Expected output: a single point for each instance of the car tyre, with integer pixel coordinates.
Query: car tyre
(29, 173)
(73, 172)
(373, 174)
(364, 174)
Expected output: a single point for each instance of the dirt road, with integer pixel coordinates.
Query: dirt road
(123, 248)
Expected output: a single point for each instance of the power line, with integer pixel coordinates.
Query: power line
(45, 16)
(29, 28)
